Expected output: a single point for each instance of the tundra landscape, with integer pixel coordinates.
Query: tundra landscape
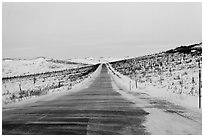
(102, 68)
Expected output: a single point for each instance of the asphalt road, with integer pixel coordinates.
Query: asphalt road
(97, 109)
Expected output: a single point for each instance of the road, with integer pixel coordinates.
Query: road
(98, 109)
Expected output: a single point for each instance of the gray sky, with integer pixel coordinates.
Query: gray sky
(68, 30)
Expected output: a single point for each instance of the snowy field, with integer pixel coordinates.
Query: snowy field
(19, 67)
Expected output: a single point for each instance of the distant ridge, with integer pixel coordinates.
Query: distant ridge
(41, 57)
(194, 49)
(197, 48)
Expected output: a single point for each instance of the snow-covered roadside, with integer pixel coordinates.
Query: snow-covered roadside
(159, 121)
(161, 93)
(55, 93)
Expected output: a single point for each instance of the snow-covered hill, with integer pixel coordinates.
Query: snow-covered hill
(94, 60)
(174, 71)
(17, 67)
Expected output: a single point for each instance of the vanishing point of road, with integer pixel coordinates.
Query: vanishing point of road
(97, 109)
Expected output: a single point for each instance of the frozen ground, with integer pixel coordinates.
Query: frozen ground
(19, 67)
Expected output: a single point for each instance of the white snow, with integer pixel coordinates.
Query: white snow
(17, 67)
(161, 123)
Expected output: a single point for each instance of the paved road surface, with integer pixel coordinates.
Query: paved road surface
(97, 109)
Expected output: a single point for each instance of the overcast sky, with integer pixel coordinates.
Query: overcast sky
(68, 30)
